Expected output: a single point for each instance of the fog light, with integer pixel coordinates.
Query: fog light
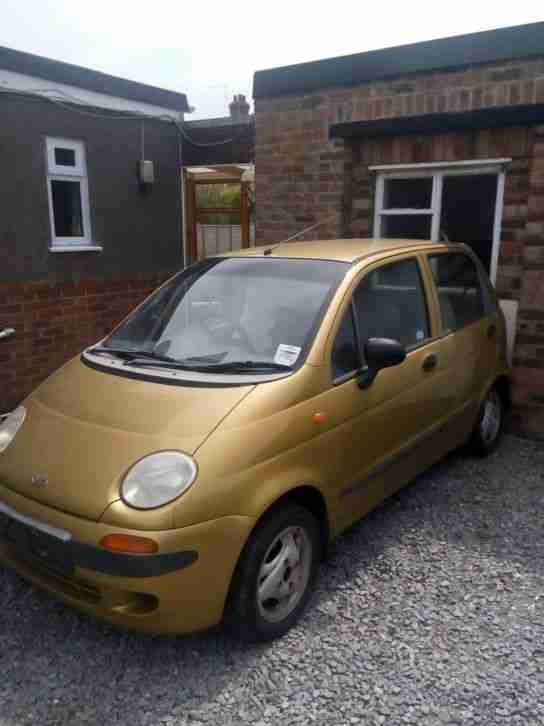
(129, 544)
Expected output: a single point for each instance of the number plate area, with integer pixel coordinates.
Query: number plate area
(37, 547)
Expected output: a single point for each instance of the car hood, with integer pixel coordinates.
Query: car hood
(85, 428)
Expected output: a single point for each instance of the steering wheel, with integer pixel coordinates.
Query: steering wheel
(220, 323)
(242, 332)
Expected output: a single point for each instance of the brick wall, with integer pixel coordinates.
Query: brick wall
(300, 173)
(302, 177)
(56, 320)
(529, 354)
(514, 143)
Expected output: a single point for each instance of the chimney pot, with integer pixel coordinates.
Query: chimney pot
(239, 107)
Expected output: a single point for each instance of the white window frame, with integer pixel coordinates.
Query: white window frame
(77, 173)
(437, 171)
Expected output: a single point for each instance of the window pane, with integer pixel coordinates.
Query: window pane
(408, 193)
(468, 212)
(407, 226)
(65, 157)
(390, 303)
(459, 290)
(67, 208)
(345, 357)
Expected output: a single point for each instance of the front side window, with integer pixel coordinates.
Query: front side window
(459, 289)
(233, 314)
(68, 193)
(390, 303)
(345, 352)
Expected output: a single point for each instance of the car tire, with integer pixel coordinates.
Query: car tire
(487, 432)
(275, 575)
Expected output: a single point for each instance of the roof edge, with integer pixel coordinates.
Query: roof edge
(19, 61)
(458, 51)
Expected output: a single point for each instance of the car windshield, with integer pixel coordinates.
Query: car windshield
(231, 313)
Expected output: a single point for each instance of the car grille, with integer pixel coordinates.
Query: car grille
(34, 545)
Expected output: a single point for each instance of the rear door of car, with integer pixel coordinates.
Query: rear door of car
(386, 433)
(470, 327)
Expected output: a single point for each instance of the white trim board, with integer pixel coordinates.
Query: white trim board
(440, 165)
(75, 248)
(9, 80)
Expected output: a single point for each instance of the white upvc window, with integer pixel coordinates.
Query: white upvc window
(410, 200)
(68, 194)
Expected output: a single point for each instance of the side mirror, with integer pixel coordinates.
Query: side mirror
(380, 353)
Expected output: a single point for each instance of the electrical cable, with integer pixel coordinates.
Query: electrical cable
(71, 103)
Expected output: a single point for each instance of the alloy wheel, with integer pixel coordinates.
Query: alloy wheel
(491, 420)
(284, 574)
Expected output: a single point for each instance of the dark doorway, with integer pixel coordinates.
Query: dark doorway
(468, 212)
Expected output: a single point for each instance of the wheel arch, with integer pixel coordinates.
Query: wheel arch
(307, 496)
(504, 389)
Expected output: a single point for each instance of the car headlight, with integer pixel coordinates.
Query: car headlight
(10, 423)
(158, 479)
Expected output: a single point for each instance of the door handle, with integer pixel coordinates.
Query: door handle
(491, 330)
(430, 362)
(7, 332)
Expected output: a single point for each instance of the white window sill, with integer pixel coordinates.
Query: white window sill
(75, 248)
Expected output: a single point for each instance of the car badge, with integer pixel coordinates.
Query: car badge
(40, 480)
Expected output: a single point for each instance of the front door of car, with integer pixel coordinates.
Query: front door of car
(385, 433)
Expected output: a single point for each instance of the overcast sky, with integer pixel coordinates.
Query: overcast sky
(210, 49)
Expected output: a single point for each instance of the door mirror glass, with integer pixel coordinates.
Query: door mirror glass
(384, 352)
(380, 353)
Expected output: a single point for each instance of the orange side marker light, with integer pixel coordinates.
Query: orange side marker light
(129, 544)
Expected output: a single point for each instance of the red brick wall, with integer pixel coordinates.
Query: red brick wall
(302, 177)
(529, 353)
(514, 143)
(56, 320)
(300, 173)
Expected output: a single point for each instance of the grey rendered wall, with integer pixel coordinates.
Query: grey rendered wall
(140, 232)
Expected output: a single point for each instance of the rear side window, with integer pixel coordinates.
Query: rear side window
(390, 303)
(459, 290)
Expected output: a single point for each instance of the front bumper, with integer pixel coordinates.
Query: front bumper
(180, 589)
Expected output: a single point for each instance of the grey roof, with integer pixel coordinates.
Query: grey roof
(520, 41)
(58, 72)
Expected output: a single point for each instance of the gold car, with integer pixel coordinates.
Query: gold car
(192, 467)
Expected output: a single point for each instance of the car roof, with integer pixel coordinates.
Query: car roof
(341, 250)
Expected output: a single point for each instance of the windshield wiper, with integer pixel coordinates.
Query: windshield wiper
(143, 358)
(232, 367)
(211, 357)
(129, 355)
(236, 366)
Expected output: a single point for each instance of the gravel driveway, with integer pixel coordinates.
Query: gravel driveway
(430, 611)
